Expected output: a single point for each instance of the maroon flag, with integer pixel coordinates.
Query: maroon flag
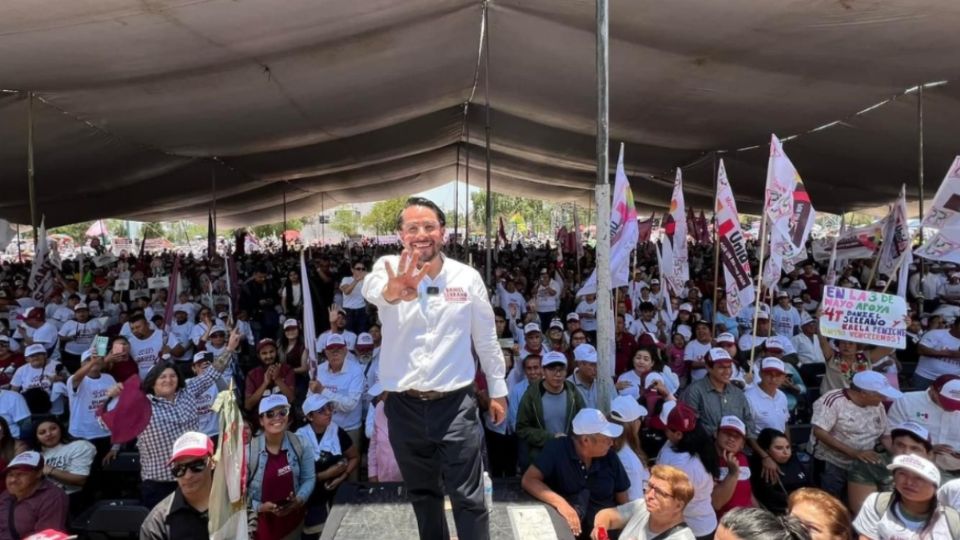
(171, 292)
(645, 229)
(692, 225)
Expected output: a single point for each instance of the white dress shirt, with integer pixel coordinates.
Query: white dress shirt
(808, 349)
(427, 341)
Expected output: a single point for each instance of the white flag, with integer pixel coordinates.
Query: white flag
(228, 509)
(789, 211)
(309, 325)
(733, 250)
(943, 246)
(623, 233)
(945, 211)
(675, 256)
(896, 236)
(832, 265)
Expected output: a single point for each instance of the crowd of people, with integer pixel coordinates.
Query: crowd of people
(708, 424)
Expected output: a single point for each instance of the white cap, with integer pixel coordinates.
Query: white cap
(272, 402)
(222, 315)
(783, 294)
(685, 307)
(530, 328)
(719, 355)
(556, 323)
(181, 308)
(652, 378)
(726, 337)
(912, 427)
(732, 423)
(314, 402)
(872, 381)
(626, 409)
(806, 318)
(553, 357)
(917, 465)
(774, 342)
(585, 353)
(26, 460)
(592, 422)
(34, 349)
(192, 444)
(4, 338)
(334, 341)
(290, 323)
(684, 331)
(218, 327)
(364, 340)
(80, 306)
(763, 315)
(772, 364)
(654, 281)
(573, 316)
(202, 356)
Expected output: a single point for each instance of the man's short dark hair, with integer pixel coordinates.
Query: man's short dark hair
(422, 201)
(135, 317)
(760, 524)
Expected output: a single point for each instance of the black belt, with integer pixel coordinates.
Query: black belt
(431, 395)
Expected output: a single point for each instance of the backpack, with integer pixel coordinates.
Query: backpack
(885, 499)
(254, 455)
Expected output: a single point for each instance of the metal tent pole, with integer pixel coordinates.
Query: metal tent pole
(923, 266)
(716, 248)
(30, 170)
(605, 333)
(456, 197)
(486, 99)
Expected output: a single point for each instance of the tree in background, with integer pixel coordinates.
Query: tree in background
(346, 221)
(382, 218)
(276, 229)
(535, 214)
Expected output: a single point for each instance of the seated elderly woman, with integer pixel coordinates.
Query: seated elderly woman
(31, 503)
(658, 514)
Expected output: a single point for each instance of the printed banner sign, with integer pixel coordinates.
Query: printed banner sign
(121, 284)
(864, 317)
(104, 260)
(161, 282)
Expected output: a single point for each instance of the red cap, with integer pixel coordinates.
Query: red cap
(266, 342)
(675, 416)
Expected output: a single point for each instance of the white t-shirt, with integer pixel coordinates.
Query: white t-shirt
(893, 524)
(46, 334)
(694, 352)
(146, 352)
(931, 367)
(512, 299)
(699, 513)
(547, 302)
(182, 333)
(768, 412)
(13, 409)
(636, 472)
(84, 402)
(589, 324)
(27, 376)
(207, 418)
(354, 300)
(944, 426)
(344, 389)
(75, 458)
(82, 335)
(784, 320)
(949, 494)
(639, 327)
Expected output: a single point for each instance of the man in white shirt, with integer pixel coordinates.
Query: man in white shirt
(511, 301)
(37, 330)
(181, 328)
(434, 310)
(338, 325)
(547, 293)
(938, 410)
(353, 303)
(939, 355)
(785, 318)
(78, 335)
(341, 381)
(767, 401)
(587, 310)
(696, 350)
(147, 344)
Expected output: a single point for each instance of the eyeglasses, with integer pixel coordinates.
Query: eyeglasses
(181, 469)
(414, 228)
(282, 413)
(659, 492)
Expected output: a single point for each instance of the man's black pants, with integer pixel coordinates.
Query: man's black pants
(437, 446)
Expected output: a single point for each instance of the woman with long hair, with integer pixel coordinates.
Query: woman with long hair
(792, 477)
(281, 473)
(646, 370)
(67, 462)
(690, 449)
(292, 351)
(625, 411)
(8, 444)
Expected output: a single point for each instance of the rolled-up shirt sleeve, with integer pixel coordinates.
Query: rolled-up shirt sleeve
(484, 334)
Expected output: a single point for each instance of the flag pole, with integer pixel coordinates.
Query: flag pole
(757, 303)
(605, 337)
(716, 247)
(920, 173)
(30, 170)
(466, 197)
(486, 99)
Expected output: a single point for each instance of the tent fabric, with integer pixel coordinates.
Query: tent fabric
(142, 107)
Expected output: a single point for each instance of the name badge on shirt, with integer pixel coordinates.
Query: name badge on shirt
(283, 470)
(455, 295)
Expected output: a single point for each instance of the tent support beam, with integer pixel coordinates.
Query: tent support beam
(920, 173)
(488, 219)
(605, 334)
(716, 247)
(30, 170)
(466, 221)
(456, 197)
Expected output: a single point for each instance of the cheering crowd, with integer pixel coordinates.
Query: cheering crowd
(725, 425)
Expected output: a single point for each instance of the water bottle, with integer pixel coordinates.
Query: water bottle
(487, 491)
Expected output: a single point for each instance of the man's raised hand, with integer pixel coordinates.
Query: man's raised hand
(402, 284)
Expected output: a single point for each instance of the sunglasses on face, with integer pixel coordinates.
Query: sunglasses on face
(281, 413)
(181, 469)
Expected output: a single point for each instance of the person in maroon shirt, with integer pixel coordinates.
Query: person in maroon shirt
(9, 361)
(270, 377)
(626, 347)
(119, 363)
(31, 503)
(813, 281)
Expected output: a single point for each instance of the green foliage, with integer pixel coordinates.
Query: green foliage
(526, 214)
(275, 229)
(153, 229)
(75, 231)
(346, 221)
(382, 218)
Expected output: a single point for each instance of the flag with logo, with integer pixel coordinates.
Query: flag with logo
(945, 211)
(623, 233)
(42, 268)
(789, 212)
(832, 265)
(896, 236)
(228, 509)
(309, 323)
(674, 241)
(733, 249)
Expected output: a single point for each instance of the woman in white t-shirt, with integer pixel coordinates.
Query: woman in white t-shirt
(625, 411)
(66, 463)
(911, 511)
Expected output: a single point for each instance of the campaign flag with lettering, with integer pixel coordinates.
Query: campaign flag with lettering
(944, 246)
(945, 211)
(896, 236)
(732, 245)
(674, 255)
(623, 233)
(309, 323)
(42, 268)
(789, 212)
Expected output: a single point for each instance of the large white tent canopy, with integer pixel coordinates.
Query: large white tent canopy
(141, 103)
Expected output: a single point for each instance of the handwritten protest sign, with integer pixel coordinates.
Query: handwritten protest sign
(864, 317)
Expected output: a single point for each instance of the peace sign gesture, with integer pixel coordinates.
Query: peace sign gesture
(402, 284)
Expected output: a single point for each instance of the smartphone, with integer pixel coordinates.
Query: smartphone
(100, 345)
